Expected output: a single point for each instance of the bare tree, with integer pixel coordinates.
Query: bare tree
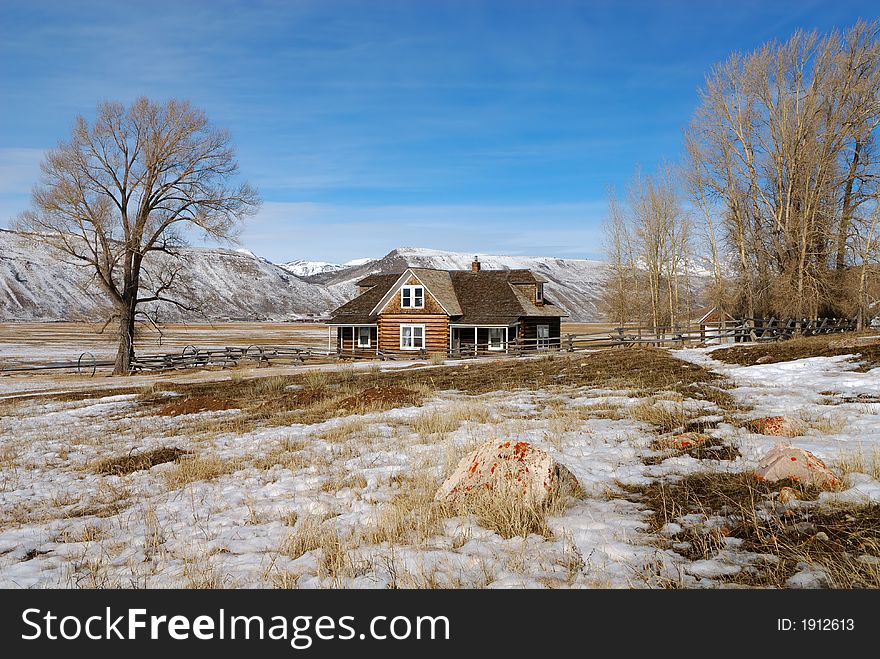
(649, 243)
(781, 155)
(620, 291)
(126, 187)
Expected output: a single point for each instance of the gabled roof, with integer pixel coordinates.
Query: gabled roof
(490, 296)
(437, 282)
(358, 310)
(715, 316)
(486, 297)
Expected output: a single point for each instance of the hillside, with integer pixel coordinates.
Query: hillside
(37, 285)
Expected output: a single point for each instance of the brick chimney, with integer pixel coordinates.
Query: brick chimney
(475, 265)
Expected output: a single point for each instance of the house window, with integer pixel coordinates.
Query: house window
(412, 337)
(539, 293)
(412, 297)
(363, 337)
(496, 338)
(543, 337)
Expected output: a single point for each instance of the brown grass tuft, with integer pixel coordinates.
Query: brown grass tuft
(844, 542)
(128, 464)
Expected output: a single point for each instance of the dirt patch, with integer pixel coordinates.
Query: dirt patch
(799, 348)
(128, 464)
(383, 397)
(844, 542)
(193, 405)
(32, 554)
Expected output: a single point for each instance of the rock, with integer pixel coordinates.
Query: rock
(784, 461)
(822, 536)
(508, 469)
(787, 495)
(776, 426)
(683, 441)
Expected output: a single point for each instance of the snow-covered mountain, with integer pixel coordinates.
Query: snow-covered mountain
(303, 268)
(36, 284)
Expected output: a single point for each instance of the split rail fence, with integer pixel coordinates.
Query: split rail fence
(738, 331)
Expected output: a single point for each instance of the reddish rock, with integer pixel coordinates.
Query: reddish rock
(684, 441)
(790, 462)
(508, 469)
(776, 426)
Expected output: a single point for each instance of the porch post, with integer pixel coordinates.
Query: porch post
(475, 341)
(505, 339)
(329, 339)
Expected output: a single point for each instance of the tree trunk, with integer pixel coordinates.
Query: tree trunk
(846, 213)
(125, 351)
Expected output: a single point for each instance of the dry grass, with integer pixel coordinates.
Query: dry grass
(288, 454)
(828, 423)
(197, 468)
(412, 517)
(336, 560)
(307, 536)
(343, 432)
(277, 401)
(666, 416)
(341, 480)
(844, 542)
(448, 419)
(860, 462)
(712, 448)
(128, 464)
(86, 533)
(511, 516)
(799, 348)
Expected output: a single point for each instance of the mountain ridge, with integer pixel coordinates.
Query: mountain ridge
(36, 284)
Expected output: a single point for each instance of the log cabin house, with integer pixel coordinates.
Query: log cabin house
(455, 312)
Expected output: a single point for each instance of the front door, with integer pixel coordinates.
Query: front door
(543, 337)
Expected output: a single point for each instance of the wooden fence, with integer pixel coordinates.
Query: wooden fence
(743, 330)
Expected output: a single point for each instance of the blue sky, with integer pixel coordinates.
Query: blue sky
(484, 127)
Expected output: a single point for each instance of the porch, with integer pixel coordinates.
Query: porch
(354, 339)
(481, 339)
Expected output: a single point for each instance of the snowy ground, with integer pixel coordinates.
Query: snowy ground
(330, 504)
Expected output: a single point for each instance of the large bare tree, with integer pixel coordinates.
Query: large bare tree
(782, 162)
(128, 186)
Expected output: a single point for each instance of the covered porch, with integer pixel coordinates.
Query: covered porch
(481, 339)
(354, 338)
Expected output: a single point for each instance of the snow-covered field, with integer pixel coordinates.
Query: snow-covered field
(346, 501)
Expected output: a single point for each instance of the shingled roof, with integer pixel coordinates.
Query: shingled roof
(487, 297)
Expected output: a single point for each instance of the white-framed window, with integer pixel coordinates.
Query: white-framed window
(543, 337)
(496, 338)
(412, 337)
(363, 337)
(539, 293)
(412, 297)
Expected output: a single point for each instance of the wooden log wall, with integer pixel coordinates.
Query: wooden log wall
(436, 331)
